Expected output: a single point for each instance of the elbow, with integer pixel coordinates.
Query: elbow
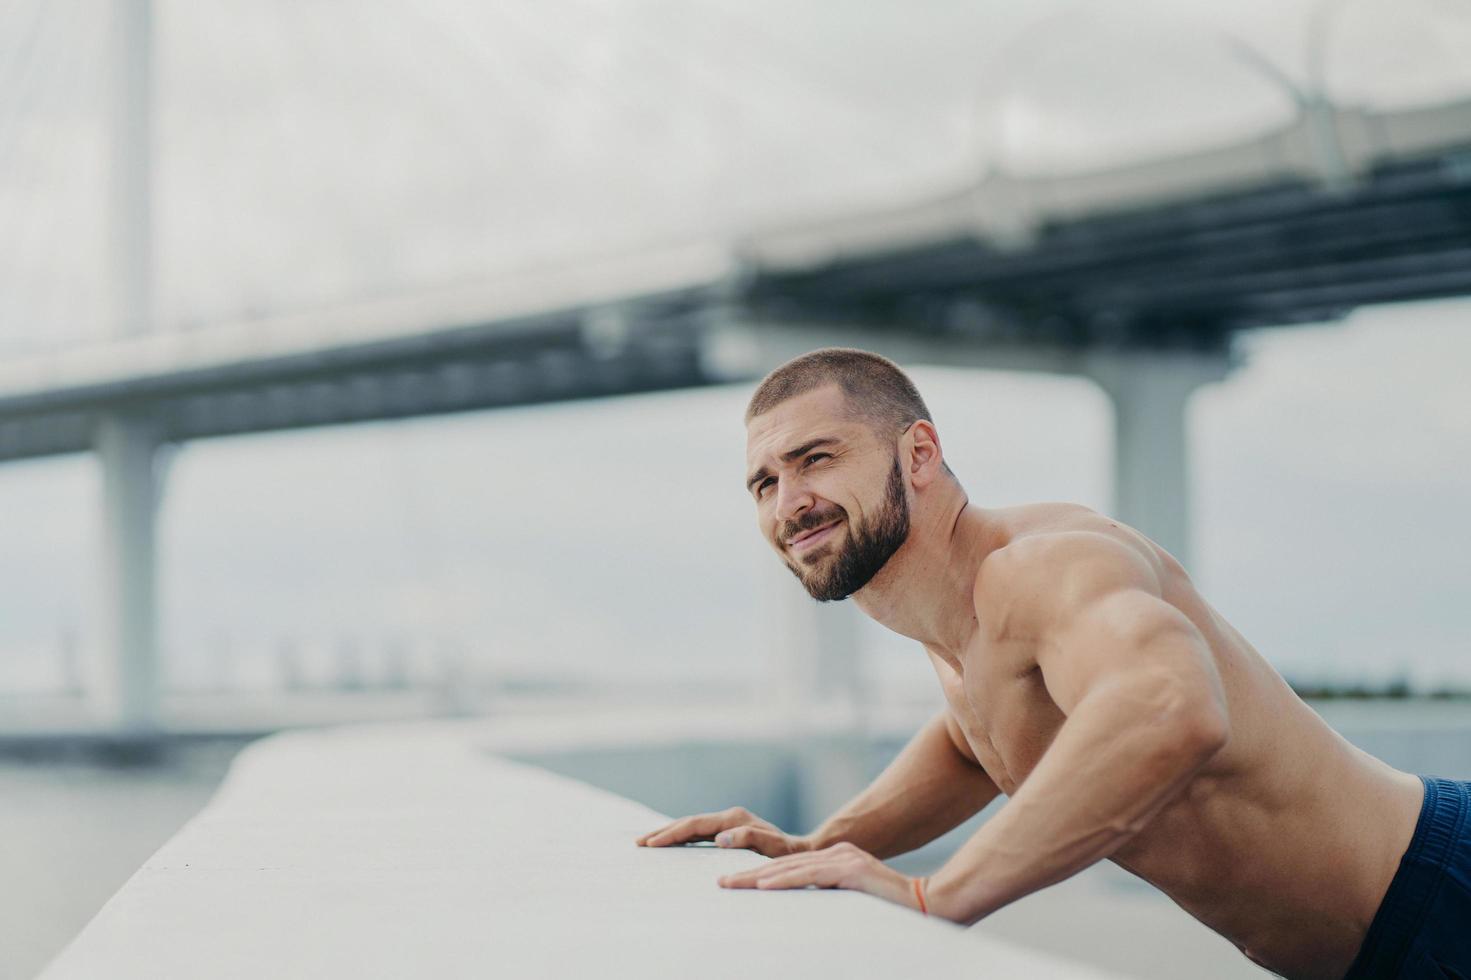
(1202, 728)
(1192, 704)
(1189, 717)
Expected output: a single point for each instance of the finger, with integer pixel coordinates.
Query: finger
(772, 843)
(702, 826)
(749, 878)
(643, 839)
(686, 829)
(823, 876)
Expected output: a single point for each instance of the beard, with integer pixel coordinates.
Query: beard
(867, 549)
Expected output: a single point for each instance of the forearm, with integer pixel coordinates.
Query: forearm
(928, 789)
(1120, 757)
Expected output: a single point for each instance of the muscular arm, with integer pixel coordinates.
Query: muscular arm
(932, 786)
(1145, 710)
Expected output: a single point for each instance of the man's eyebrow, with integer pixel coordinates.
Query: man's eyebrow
(792, 454)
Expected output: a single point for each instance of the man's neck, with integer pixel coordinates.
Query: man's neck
(925, 590)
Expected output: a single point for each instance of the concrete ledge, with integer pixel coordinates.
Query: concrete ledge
(416, 850)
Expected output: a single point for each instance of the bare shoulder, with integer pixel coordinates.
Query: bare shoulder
(1068, 558)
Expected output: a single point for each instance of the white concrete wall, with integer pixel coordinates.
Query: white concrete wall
(418, 851)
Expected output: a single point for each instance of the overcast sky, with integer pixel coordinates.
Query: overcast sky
(316, 154)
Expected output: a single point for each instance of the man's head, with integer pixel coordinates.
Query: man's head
(835, 440)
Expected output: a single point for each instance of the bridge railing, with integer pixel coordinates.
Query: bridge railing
(423, 851)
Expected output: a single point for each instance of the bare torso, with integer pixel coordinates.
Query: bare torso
(1285, 842)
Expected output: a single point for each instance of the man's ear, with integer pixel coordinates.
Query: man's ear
(921, 447)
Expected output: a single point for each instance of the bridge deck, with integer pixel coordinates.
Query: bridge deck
(617, 327)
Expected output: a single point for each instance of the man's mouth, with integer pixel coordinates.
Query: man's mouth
(811, 539)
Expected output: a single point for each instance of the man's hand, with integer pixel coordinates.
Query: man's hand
(840, 866)
(736, 827)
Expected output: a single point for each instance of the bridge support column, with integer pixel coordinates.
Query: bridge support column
(1150, 391)
(817, 679)
(125, 683)
(822, 667)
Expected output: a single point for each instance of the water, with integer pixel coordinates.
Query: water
(72, 831)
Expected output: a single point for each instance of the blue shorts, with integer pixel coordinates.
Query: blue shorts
(1423, 926)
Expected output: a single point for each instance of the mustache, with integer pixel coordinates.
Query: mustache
(810, 521)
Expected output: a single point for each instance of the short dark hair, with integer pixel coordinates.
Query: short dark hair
(876, 389)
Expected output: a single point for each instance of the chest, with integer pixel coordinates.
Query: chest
(1003, 709)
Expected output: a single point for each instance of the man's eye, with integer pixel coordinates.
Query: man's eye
(761, 487)
(816, 456)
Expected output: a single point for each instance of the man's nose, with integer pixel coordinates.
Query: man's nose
(792, 499)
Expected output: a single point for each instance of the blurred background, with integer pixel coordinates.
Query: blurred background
(382, 361)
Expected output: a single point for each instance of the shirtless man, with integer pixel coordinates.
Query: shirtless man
(1089, 682)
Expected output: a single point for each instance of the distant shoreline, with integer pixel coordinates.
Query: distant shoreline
(1394, 690)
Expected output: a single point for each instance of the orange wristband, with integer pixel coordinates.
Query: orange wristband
(919, 895)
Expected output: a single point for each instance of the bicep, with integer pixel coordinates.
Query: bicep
(957, 737)
(982, 786)
(951, 685)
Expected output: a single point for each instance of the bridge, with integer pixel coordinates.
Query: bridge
(1137, 277)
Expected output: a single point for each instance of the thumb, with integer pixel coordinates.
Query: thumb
(772, 843)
